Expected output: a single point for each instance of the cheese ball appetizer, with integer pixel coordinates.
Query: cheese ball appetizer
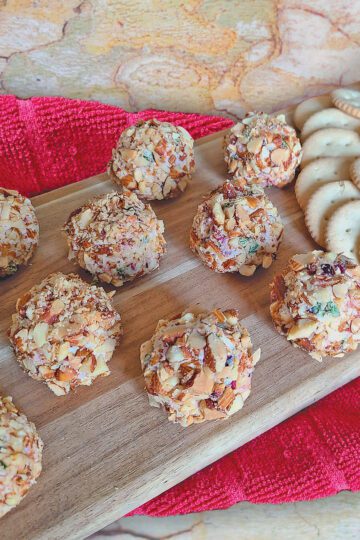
(199, 367)
(315, 303)
(20, 455)
(153, 159)
(262, 150)
(116, 237)
(19, 231)
(64, 332)
(236, 230)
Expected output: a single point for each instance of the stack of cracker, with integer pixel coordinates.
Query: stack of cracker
(328, 186)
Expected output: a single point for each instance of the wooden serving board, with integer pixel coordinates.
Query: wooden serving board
(106, 450)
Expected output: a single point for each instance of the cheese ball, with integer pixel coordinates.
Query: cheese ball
(315, 303)
(153, 159)
(20, 455)
(262, 150)
(236, 230)
(199, 367)
(116, 237)
(64, 332)
(19, 231)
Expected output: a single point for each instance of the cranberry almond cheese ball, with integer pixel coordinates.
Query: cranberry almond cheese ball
(263, 150)
(154, 159)
(19, 231)
(116, 237)
(316, 303)
(199, 367)
(236, 230)
(20, 455)
(64, 332)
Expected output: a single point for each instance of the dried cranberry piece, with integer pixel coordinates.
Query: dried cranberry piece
(210, 404)
(311, 269)
(341, 266)
(328, 269)
(233, 385)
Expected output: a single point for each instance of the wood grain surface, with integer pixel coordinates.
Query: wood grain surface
(106, 450)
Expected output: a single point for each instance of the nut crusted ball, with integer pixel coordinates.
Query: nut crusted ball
(316, 303)
(235, 230)
(20, 455)
(153, 159)
(19, 231)
(64, 332)
(116, 237)
(263, 150)
(199, 367)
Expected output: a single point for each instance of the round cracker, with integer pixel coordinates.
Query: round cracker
(355, 172)
(307, 108)
(323, 203)
(329, 118)
(331, 142)
(319, 172)
(348, 100)
(343, 230)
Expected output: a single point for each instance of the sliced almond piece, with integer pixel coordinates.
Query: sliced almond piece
(127, 153)
(196, 340)
(280, 155)
(203, 383)
(85, 218)
(247, 269)
(236, 405)
(218, 350)
(304, 328)
(57, 307)
(218, 213)
(40, 333)
(255, 145)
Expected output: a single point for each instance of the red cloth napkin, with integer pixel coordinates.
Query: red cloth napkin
(50, 142)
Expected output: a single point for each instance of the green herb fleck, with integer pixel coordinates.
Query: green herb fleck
(329, 308)
(149, 156)
(254, 247)
(332, 308)
(3, 464)
(315, 309)
(121, 272)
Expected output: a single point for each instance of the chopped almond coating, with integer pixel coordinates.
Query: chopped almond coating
(116, 237)
(64, 332)
(19, 231)
(199, 367)
(236, 230)
(263, 150)
(316, 303)
(20, 455)
(154, 159)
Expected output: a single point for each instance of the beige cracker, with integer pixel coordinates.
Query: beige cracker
(323, 204)
(348, 100)
(329, 118)
(307, 108)
(331, 142)
(355, 172)
(343, 230)
(319, 172)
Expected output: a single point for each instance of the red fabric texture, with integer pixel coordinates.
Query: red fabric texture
(50, 142)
